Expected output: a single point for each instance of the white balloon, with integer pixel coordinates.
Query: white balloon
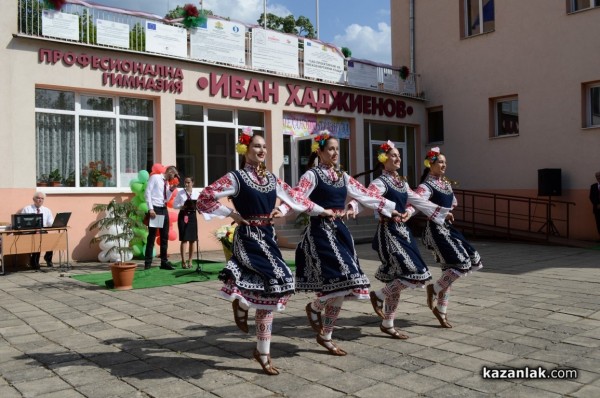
(105, 245)
(103, 257)
(128, 256)
(115, 256)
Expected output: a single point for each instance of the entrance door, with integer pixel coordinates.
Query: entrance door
(400, 146)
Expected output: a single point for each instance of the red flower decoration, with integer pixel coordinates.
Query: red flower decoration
(55, 4)
(191, 10)
(244, 139)
(385, 147)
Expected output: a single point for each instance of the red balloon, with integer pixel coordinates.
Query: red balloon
(158, 168)
(172, 235)
(172, 217)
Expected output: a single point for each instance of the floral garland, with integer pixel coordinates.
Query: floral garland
(55, 4)
(320, 140)
(431, 156)
(192, 18)
(244, 140)
(383, 150)
(404, 72)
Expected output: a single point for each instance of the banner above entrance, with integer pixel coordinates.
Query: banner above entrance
(302, 125)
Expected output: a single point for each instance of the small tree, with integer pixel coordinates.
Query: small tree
(124, 219)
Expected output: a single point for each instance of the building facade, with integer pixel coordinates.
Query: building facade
(90, 117)
(512, 87)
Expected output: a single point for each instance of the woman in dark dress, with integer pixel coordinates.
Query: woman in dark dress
(187, 222)
(448, 245)
(256, 275)
(401, 266)
(326, 260)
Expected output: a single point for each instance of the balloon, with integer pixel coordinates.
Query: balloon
(143, 207)
(172, 216)
(105, 245)
(128, 256)
(134, 181)
(143, 175)
(136, 201)
(103, 257)
(137, 187)
(115, 256)
(139, 231)
(158, 168)
(172, 235)
(137, 250)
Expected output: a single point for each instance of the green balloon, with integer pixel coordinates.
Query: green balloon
(137, 187)
(137, 200)
(143, 207)
(143, 175)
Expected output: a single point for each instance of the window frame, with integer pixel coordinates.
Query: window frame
(432, 110)
(572, 6)
(495, 117)
(205, 124)
(468, 31)
(77, 113)
(588, 103)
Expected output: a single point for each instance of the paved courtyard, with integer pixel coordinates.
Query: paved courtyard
(534, 306)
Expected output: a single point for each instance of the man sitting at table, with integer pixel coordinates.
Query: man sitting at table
(47, 220)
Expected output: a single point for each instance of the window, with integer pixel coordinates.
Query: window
(86, 140)
(578, 5)
(435, 125)
(592, 105)
(506, 116)
(206, 138)
(478, 16)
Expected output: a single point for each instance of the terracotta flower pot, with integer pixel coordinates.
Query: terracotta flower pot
(123, 274)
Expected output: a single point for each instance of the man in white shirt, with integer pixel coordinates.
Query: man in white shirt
(47, 219)
(158, 192)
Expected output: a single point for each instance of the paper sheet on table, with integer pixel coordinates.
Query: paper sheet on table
(157, 222)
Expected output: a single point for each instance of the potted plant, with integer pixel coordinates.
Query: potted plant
(116, 232)
(69, 181)
(43, 181)
(97, 173)
(54, 178)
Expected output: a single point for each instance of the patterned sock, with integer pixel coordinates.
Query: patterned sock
(392, 297)
(442, 301)
(332, 310)
(447, 278)
(317, 305)
(264, 326)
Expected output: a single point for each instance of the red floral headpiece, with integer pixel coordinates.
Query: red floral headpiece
(320, 140)
(383, 150)
(431, 156)
(244, 140)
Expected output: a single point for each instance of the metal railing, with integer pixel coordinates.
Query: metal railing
(30, 24)
(512, 215)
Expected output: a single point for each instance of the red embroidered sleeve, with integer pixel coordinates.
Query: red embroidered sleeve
(208, 198)
(293, 198)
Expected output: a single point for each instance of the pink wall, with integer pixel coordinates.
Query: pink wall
(80, 205)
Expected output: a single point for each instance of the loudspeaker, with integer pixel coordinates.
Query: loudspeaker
(549, 182)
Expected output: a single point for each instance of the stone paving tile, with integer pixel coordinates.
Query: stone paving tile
(181, 341)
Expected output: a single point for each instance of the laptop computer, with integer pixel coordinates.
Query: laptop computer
(26, 221)
(61, 220)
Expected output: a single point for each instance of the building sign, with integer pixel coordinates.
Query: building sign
(61, 25)
(323, 62)
(119, 72)
(274, 51)
(237, 87)
(302, 125)
(166, 39)
(123, 73)
(110, 33)
(219, 41)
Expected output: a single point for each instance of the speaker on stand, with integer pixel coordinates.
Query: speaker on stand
(549, 184)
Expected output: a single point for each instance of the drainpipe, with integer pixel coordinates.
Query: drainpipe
(411, 28)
